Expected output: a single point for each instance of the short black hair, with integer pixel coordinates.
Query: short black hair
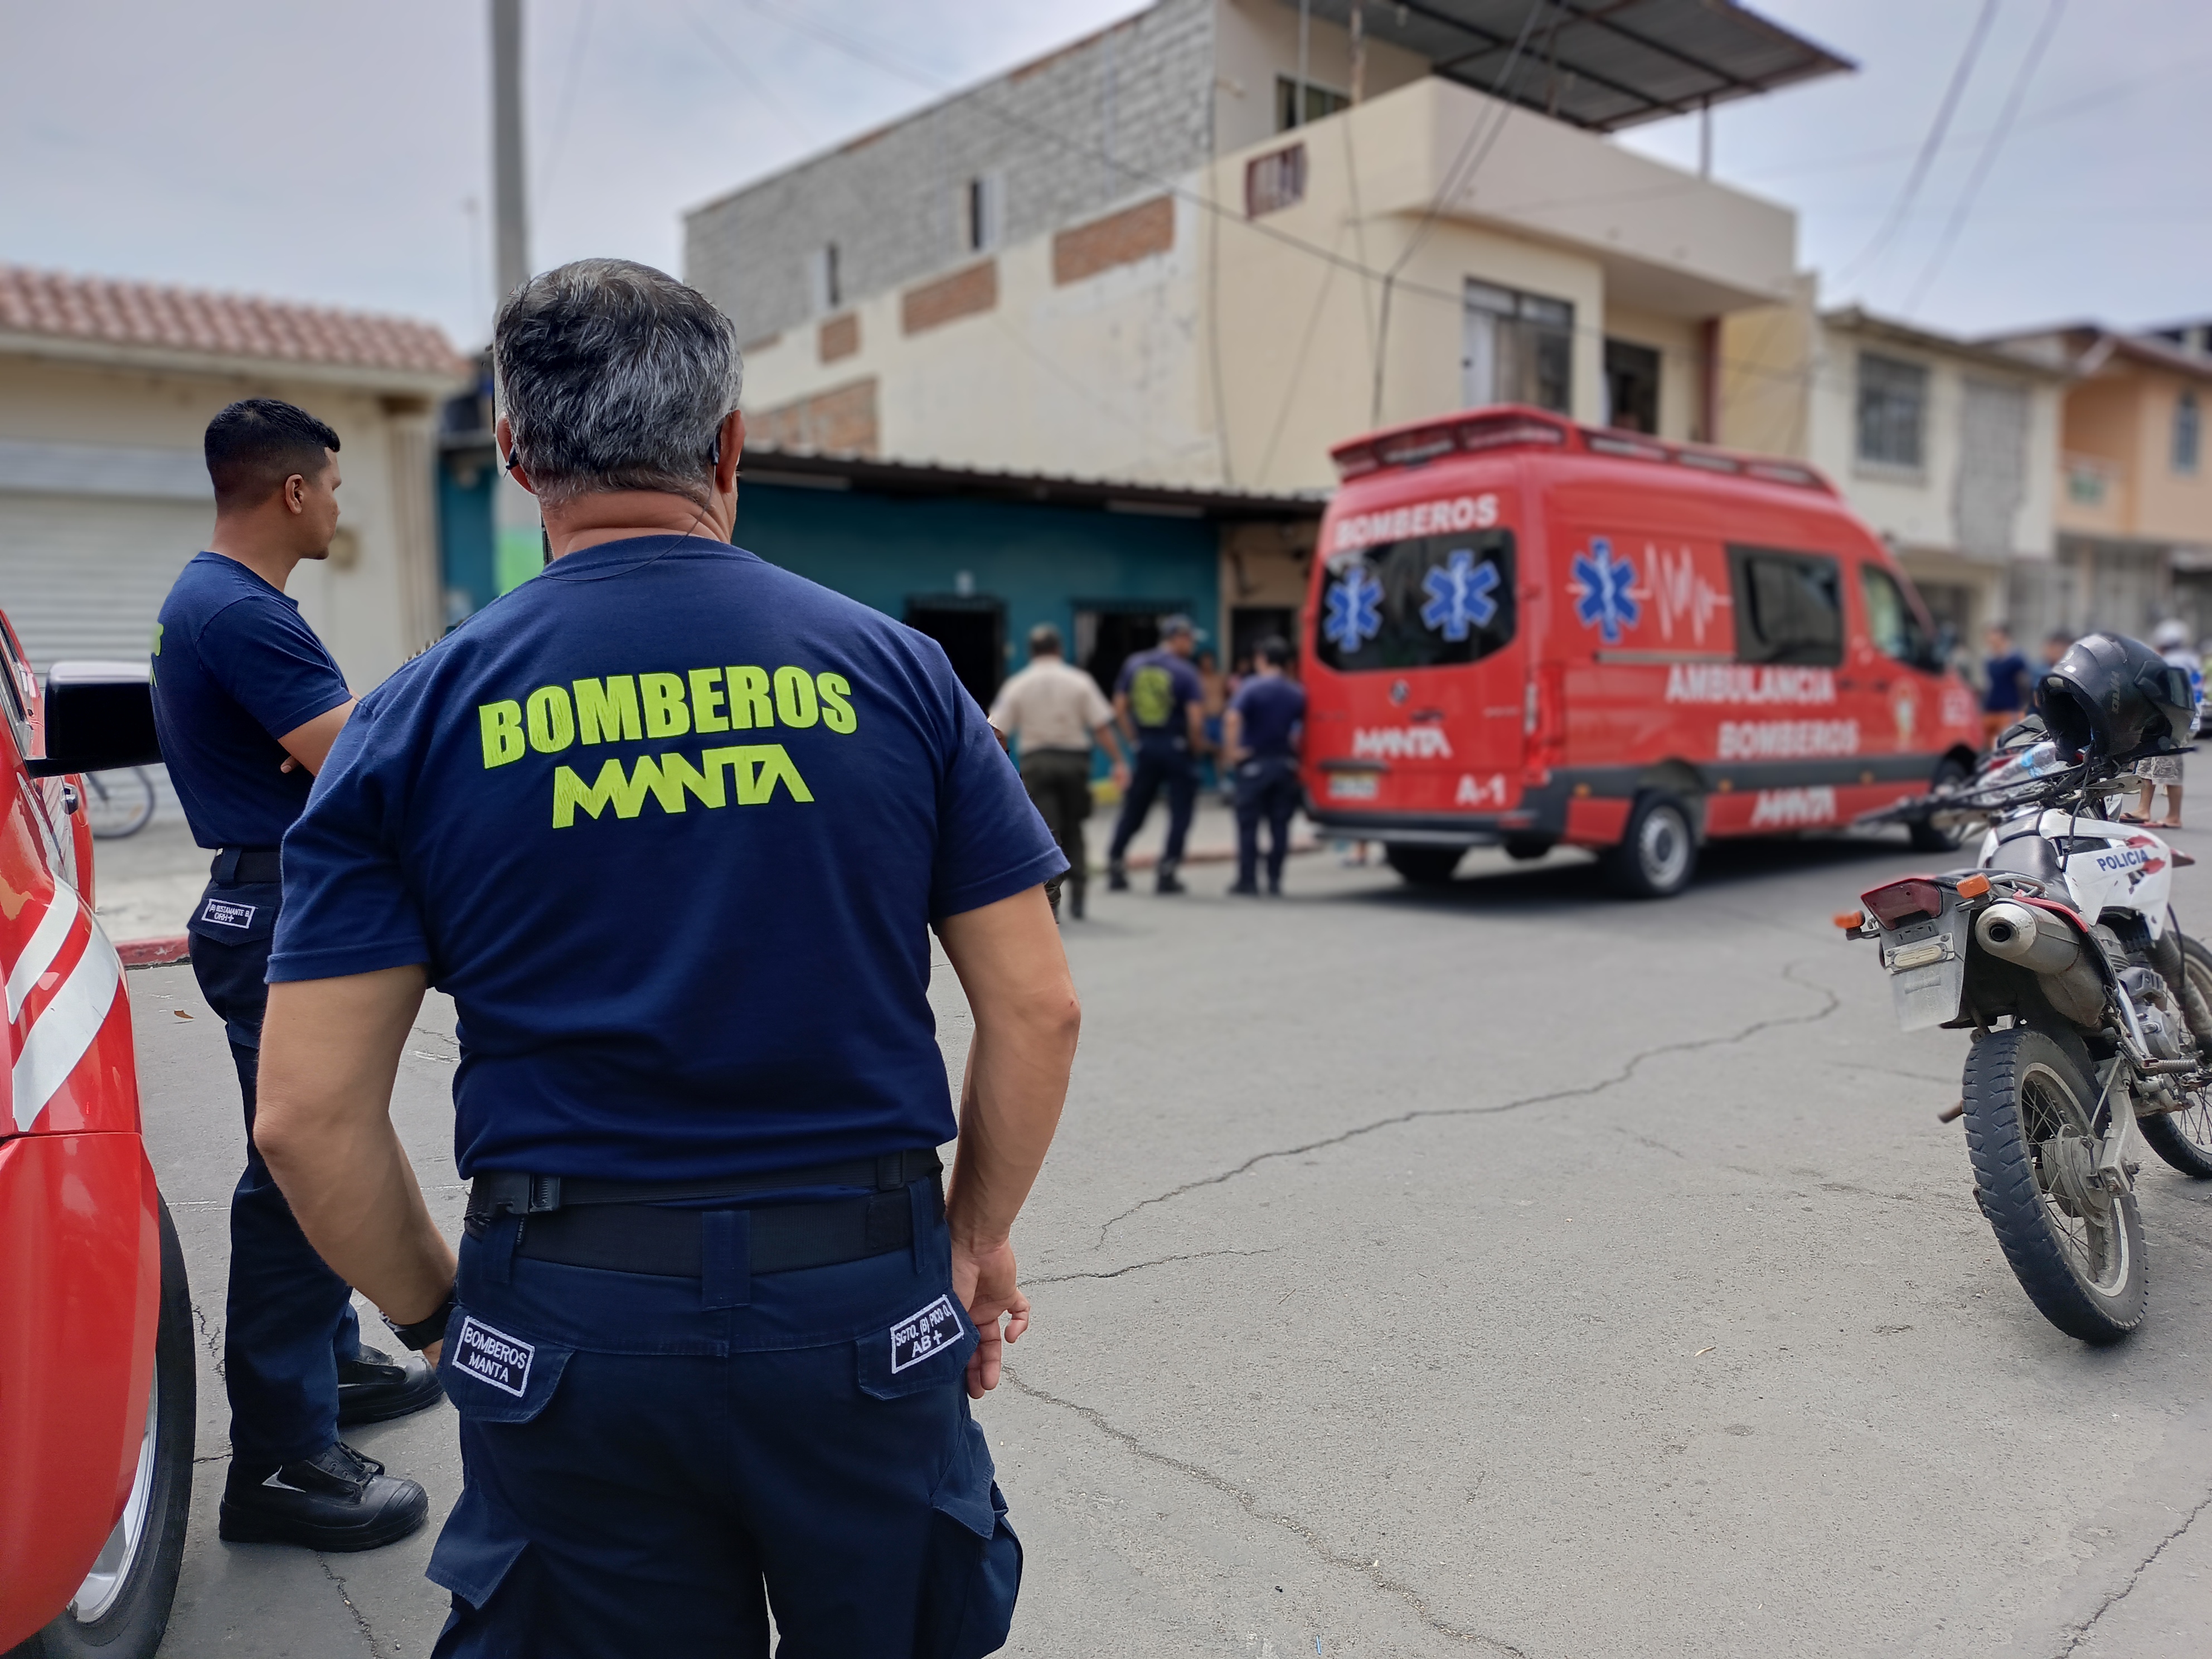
(257, 443)
(1274, 649)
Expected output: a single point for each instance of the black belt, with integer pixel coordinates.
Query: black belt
(246, 867)
(621, 1226)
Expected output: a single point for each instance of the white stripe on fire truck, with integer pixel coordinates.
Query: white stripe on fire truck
(65, 1027)
(46, 940)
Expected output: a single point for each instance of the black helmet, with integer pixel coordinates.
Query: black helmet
(2115, 699)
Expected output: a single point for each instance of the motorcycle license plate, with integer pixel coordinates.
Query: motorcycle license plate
(1928, 993)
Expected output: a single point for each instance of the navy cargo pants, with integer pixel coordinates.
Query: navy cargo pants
(288, 1323)
(1267, 791)
(1161, 763)
(651, 1463)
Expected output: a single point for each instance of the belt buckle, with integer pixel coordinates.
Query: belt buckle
(544, 1195)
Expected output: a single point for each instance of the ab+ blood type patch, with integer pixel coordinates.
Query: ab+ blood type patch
(224, 914)
(493, 1356)
(918, 1336)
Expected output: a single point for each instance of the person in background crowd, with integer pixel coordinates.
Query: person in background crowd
(1160, 703)
(1261, 753)
(2005, 684)
(1214, 704)
(2056, 644)
(1053, 710)
(2164, 771)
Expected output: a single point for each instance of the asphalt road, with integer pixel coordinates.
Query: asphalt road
(1503, 1270)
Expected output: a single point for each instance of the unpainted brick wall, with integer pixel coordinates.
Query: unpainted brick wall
(1118, 239)
(839, 422)
(963, 294)
(1111, 118)
(839, 337)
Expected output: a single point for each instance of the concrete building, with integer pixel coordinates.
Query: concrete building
(2134, 506)
(1948, 448)
(1198, 248)
(105, 391)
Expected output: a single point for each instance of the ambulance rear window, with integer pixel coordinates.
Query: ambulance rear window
(1788, 607)
(1425, 602)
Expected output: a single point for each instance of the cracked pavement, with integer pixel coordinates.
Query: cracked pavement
(1503, 1271)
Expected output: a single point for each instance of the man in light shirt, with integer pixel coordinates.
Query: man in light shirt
(1053, 712)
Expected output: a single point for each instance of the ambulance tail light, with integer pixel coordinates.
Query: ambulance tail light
(1904, 901)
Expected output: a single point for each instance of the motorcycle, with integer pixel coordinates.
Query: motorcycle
(2091, 1015)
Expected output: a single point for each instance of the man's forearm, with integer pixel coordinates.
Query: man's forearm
(329, 1050)
(1027, 1017)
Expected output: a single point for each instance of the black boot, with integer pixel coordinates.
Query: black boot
(1075, 902)
(336, 1500)
(1169, 881)
(376, 1387)
(1117, 877)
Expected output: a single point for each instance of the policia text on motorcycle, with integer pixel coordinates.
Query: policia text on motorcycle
(248, 703)
(717, 1321)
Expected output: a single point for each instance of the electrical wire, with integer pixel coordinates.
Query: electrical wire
(754, 84)
(1929, 145)
(552, 167)
(1989, 155)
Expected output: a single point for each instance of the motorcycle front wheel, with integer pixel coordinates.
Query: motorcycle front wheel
(2076, 1250)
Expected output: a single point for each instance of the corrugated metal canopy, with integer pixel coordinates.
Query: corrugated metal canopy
(1597, 63)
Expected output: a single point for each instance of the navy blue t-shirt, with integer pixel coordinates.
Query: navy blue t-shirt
(671, 824)
(234, 668)
(1269, 707)
(1160, 686)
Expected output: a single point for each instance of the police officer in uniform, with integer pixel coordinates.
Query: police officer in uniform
(672, 825)
(1161, 703)
(1262, 727)
(248, 702)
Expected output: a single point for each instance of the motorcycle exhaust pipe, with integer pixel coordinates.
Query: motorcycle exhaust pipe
(2048, 949)
(2017, 932)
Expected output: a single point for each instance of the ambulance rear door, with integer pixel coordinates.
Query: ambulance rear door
(1421, 623)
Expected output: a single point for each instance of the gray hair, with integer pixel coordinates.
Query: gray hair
(614, 376)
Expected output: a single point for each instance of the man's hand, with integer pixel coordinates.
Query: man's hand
(430, 1355)
(983, 1280)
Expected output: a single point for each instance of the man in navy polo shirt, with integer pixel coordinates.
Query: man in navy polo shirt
(1262, 746)
(248, 703)
(672, 826)
(1161, 703)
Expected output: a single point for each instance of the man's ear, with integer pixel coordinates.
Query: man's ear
(295, 495)
(731, 443)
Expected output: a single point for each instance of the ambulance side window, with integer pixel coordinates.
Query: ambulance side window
(1893, 624)
(1788, 607)
(1426, 602)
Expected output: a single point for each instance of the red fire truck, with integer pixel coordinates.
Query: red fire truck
(96, 1364)
(1526, 632)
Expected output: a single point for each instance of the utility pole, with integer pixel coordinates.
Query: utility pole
(510, 203)
(518, 545)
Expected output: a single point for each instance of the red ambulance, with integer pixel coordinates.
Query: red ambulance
(1525, 632)
(96, 1361)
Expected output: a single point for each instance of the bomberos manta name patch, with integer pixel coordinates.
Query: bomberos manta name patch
(493, 1356)
(224, 914)
(918, 1336)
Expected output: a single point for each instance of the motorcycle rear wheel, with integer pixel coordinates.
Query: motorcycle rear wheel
(2077, 1253)
(2184, 1138)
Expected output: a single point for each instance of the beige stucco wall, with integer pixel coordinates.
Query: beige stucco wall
(1257, 40)
(2123, 416)
(372, 616)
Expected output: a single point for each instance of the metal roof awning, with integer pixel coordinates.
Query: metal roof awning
(814, 470)
(1603, 64)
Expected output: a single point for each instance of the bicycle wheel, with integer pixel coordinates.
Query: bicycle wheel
(118, 804)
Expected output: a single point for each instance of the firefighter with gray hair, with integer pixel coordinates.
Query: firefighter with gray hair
(672, 827)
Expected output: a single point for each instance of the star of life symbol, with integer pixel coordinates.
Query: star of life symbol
(1459, 593)
(1603, 587)
(1353, 609)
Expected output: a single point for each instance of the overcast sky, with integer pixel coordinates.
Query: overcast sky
(339, 152)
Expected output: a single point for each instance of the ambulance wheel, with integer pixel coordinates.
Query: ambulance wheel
(122, 1609)
(1424, 866)
(1657, 854)
(1926, 837)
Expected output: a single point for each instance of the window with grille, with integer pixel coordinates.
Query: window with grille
(2188, 433)
(1274, 181)
(1892, 410)
(1517, 349)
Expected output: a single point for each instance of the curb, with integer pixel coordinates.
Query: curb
(155, 952)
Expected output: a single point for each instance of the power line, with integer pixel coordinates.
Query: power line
(567, 104)
(1989, 155)
(754, 84)
(1929, 144)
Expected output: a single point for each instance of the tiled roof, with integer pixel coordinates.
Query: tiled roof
(103, 311)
